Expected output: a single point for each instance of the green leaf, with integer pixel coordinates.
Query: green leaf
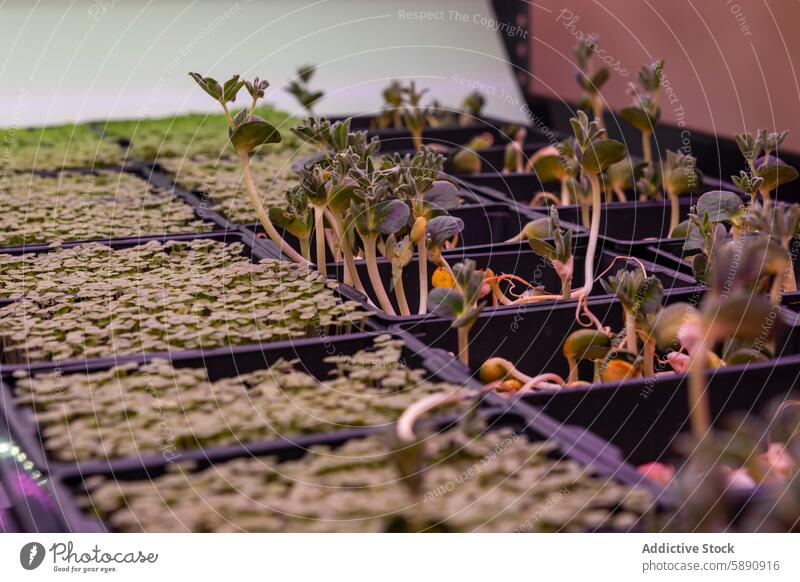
(445, 302)
(600, 77)
(650, 295)
(682, 231)
(637, 118)
(668, 322)
(720, 205)
(549, 169)
(700, 268)
(743, 315)
(208, 84)
(586, 344)
(775, 172)
(466, 161)
(231, 88)
(442, 195)
(290, 222)
(391, 216)
(339, 197)
(601, 154)
(442, 228)
(543, 249)
(253, 133)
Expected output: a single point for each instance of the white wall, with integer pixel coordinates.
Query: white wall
(79, 60)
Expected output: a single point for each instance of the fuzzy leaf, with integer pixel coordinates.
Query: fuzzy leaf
(253, 133)
(775, 172)
(442, 195)
(445, 302)
(543, 249)
(208, 84)
(720, 205)
(391, 216)
(637, 118)
(442, 228)
(549, 169)
(601, 154)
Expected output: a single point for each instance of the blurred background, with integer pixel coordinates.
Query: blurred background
(731, 65)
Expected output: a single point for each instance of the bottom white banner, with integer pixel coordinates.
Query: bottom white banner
(390, 557)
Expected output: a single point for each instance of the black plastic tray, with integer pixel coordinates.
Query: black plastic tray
(222, 363)
(252, 250)
(157, 179)
(643, 417)
(64, 487)
(532, 338)
(670, 254)
(625, 225)
(400, 139)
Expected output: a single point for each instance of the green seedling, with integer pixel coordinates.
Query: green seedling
(595, 154)
(460, 303)
(513, 158)
(620, 177)
(680, 176)
(645, 111)
(295, 218)
(558, 253)
(760, 153)
(591, 77)
(471, 107)
(248, 132)
(467, 159)
(301, 91)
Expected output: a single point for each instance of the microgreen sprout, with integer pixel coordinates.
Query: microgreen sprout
(247, 132)
(560, 164)
(559, 253)
(595, 154)
(760, 153)
(645, 111)
(513, 159)
(415, 115)
(467, 159)
(680, 176)
(460, 303)
(591, 77)
(731, 310)
(471, 107)
(300, 89)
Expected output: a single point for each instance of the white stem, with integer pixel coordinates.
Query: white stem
(630, 327)
(374, 275)
(319, 231)
(336, 243)
(422, 258)
(594, 233)
(263, 218)
(405, 424)
(699, 407)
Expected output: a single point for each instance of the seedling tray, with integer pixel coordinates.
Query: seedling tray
(670, 254)
(521, 262)
(66, 486)
(625, 225)
(644, 417)
(400, 139)
(154, 178)
(532, 338)
(231, 362)
(251, 249)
